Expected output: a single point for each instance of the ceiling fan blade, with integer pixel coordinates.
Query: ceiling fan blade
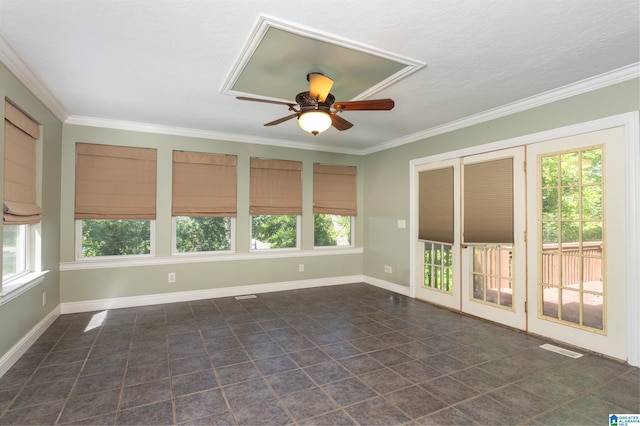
(340, 123)
(266, 101)
(370, 105)
(281, 120)
(319, 86)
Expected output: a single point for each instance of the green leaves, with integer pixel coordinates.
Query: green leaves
(107, 237)
(198, 234)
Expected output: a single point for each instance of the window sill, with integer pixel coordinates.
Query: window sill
(20, 285)
(200, 258)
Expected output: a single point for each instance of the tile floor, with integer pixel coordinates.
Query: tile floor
(350, 354)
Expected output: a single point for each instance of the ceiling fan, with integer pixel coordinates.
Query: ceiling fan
(316, 110)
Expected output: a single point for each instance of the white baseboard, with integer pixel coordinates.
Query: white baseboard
(387, 285)
(185, 296)
(10, 358)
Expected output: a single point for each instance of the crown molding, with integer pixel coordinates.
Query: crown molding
(619, 75)
(197, 133)
(21, 71)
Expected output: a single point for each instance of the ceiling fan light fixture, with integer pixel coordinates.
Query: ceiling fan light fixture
(314, 121)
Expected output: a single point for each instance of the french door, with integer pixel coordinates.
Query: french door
(576, 249)
(438, 254)
(561, 271)
(493, 260)
(483, 275)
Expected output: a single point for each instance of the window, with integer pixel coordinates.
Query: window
(488, 228)
(275, 203)
(492, 274)
(20, 206)
(115, 200)
(274, 231)
(334, 204)
(331, 230)
(202, 234)
(436, 226)
(115, 237)
(204, 201)
(14, 251)
(438, 267)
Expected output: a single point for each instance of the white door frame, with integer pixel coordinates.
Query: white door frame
(631, 123)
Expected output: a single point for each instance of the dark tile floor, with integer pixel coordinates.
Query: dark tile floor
(351, 354)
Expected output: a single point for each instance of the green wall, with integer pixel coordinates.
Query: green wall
(20, 315)
(96, 282)
(386, 189)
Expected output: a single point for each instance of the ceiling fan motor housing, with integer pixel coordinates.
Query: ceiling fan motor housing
(307, 103)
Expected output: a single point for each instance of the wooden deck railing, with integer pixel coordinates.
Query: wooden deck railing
(570, 270)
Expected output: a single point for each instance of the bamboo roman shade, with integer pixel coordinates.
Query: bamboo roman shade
(488, 202)
(115, 182)
(275, 187)
(20, 135)
(204, 185)
(435, 205)
(334, 190)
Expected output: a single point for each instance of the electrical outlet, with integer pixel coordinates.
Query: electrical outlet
(301, 267)
(44, 298)
(171, 278)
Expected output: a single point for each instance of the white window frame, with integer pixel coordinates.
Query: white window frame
(33, 275)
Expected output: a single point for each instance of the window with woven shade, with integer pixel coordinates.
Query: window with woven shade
(275, 203)
(20, 204)
(204, 204)
(115, 206)
(334, 204)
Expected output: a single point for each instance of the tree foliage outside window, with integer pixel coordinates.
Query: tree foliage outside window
(102, 237)
(331, 230)
(199, 234)
(121, 237)
(572, 197)
(273, 231)
(438, 266)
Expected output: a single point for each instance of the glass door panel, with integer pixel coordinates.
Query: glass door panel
(577, 177)
(576, 236)
(438, 267)
(493, 275)
(437, 264)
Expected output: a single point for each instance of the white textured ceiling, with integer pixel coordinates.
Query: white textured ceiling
(162, 64)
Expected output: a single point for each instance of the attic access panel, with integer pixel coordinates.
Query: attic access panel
(279, 56)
